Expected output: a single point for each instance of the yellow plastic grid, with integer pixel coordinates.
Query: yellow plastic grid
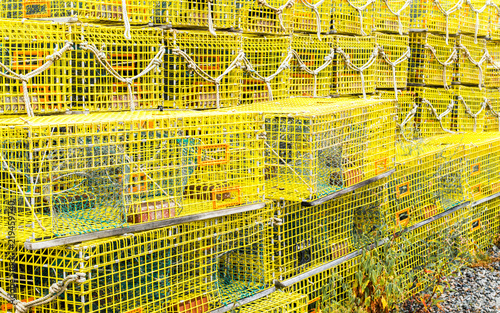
(494, 22)
(436, 16)
(353, 17)
(311, 67)
(327, 286)
(111, 73)
(137, 11)
(269, 59)
(469, 69)
(309, 17)
(392, 16)
(434, 115)
(469, 110)
(432, 59)
(317, 146)
(369, 204)
(26, 48)
(201, 70)
(266, 17)
(73, 174)
(491, 116)
(278, 301)
(484, 225)
(193, 267)
(407, 108)
(353, 65)
(207, 14)
(492, 66)
(391, 68)
(475, 18)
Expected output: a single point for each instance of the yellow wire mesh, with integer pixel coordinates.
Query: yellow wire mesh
(494, 24)
(254, 17)
(181, 13)
(26, 47)
(348, 20)
(484, 225)
(466, 71)
(427, 15)
(361, 52)
(278, 301)
(492, 72)
(427, 51)
(395, 47)
(68, 175)
(268, 56)
(492, 119)
(194, 267)
(197, 88)
(138, 11)
(468, 18)
(407, 101)
(317, 146)
(312, 53)
(95, 85)
(385, 16)
(306, 20)
(469, 110)
(427, 123)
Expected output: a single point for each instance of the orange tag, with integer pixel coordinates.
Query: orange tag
(213, 154)
(381, 166)
(231, 194)
(403, 217)
(403, 189)
(475, 169)
(36, 8)
(476, 224)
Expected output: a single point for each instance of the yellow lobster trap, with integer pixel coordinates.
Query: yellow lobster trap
(193, 267)
(80, 173)
(435, 111)
(436, 16)
(353, 17)
(311, 67)
(287, 302)
(266, 68)
(353, 65)
(315, 147)
(484, 225)
(392, 16)
(266, 17)
(475, 16)
(494, 22)
(201, 70)
(391, 68)
(34, 67)
(101, 11)
(432, 60)
(313, 17)
(492, 65)
(471, 66)
(470, 109)
(407, 108)
(111, 73)
(491, 116)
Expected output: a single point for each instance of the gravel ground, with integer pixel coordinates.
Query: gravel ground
(476, 290)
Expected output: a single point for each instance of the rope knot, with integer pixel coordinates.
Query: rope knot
(20, 306)
(129, 81)
(55, 288)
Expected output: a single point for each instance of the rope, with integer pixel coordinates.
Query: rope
(393, 65)
(127, 34)
(51, 59)
(487, 57)
(360, 10)
(454, 8)
(192, 66)
(409, 116)
(478, 64)
(398, 13)
(468, 110)
(55, 290)
(371, 60)
(101, 57)
(493, 112)
(314, 8)
(478, 11)
(279, 11)
(451, 59)
(302, 66)
(247, 66)
(439, 117)
(211, 28)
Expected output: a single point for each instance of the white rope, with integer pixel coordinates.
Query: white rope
(50, 59)
(409, 116)
(468, 110)
(439, 117)
(393, 65)
(101, 57)
(487, 57)
(55, 290)
(454, 8)
(305, 68)
(360, 10)
(451, 59)
(493, 112)
(477, 11)
(398, 13)
(247, 67)
(360, 70)
(192, 66)
(314, 8)
(126, 21)
(279, 11)
(478, 63)
(211, 28)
